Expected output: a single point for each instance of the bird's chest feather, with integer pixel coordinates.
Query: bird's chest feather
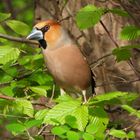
(67, 66)
(57, 62)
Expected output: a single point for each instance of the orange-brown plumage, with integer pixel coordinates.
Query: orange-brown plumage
(63, 58)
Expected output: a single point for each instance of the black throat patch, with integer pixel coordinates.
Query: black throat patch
(43, 43)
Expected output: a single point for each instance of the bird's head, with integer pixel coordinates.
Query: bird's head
(46, 32)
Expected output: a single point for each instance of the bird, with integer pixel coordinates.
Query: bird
(63, 58)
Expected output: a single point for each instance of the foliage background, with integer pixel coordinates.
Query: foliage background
(28, 88)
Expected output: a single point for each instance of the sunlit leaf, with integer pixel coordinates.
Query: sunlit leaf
(8, 54)
(87, 136)
(71, 121)
(59, 130)
(2, 30)
(131, 135)
(32, 123)
(124, 52)
(8, 90)
(24, 106)
(98, 120)
(41, 114)
(107, 97)
(60, 111)
(119, 12)
(16, 128)
(88, 16)
(18, 27)
(118, 133)
(130, 32)
(40, 90)
(72, 135)
(131, 110)
(4, 16)
(81, 114)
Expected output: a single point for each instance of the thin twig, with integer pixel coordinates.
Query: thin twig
(100, 59)
(129, 61)
(13, 116)
(117, 83)
(53, 90)
(41, 104)
(109, 34)
(41, 130)
(128, 11)
(6, 97)
(18, 39)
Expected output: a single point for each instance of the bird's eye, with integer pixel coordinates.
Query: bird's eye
(46, 28)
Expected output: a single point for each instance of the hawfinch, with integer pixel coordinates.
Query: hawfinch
(63, 58)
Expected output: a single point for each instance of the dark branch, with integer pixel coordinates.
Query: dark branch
(109, 34)
(17, 39)
(6, 97)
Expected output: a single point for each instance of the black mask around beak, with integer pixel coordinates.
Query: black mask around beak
(37, 35)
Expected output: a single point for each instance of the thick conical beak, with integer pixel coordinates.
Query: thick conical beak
(35, 35)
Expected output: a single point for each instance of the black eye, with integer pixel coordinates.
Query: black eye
(46, 28)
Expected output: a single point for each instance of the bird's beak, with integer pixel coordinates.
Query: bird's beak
(35, 35)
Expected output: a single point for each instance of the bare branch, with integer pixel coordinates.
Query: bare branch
(100, 59)
(109, 34)
(117, 83)
(18, 39)
(6, 97)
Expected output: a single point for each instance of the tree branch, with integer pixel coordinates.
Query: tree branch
(117, 83)
(6, 97)
(109, 34)
(18, 39)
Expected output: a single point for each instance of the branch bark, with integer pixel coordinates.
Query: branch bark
(18, 39)
(6, 97)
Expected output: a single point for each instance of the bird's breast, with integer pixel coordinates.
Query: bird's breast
(68, 67)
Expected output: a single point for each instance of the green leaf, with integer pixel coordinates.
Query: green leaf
(4, 16)
(18, 27)
(72, 135)
(119, 12)
(8, 54)
(12, 71)
(32, 123)
(130, 32)
(129, 97)
(39, 90)
(131, 110)
(24, 106)
(41, 78)
(8, 90)
(131, 135)
(31, 62)
(16, 128)
(98, 121)
(41, 114)
(71, 121)
(4, 77)
(38, 138)
(59, 130)
(2, 31)
(124, 52)
(107, 97)
(118, 133)
(60, 111)
(71, 107)
(81, 114)
(64, 98)
(88, 16)
(87, 136)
